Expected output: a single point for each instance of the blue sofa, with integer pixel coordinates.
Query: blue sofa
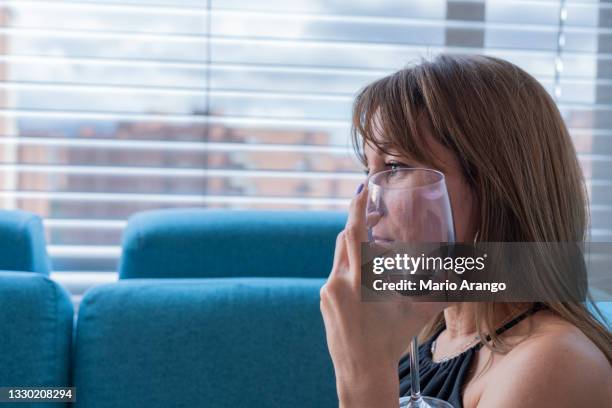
(197, 243)
(203, 343)
(23, 243)
(36, 318)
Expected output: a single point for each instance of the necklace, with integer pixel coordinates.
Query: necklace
(467, 346)
(476, 339)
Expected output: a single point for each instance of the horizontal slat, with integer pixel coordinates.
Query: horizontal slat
(83, 251)
(149, 154)
(168, 155)
(141, 47)
(107, 205)
(223, 75)
(153, 172)
(190, 81)
(311, 101)
(161, 199)
(152, 119)
(97, 277)
(243, 92)
(271, 25)
(99, 62)
(58, 223)
(250, 131)
(177, 164)
(312, 134)
(196, 191)
(97, 89)
(231, 189)
(584, 141)
(170, 146)
(104, 100)
(20, 35)
(496, 16)
(124, 209)
(182, 4)
(187, 77)
(44, 14)
(343, 54)
(576, 115)
(599, 114)
(532, 11)
(526, 10)
(264, 164)
(373, 56)
(232, 104)
(249, 170)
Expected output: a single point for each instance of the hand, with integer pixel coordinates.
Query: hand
(366, 339)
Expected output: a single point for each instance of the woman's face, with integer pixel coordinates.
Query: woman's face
(423, 210)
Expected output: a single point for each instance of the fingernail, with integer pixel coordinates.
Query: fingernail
(359, 189)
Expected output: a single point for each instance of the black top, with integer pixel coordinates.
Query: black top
(445, 379)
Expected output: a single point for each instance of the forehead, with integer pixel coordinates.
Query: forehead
(384, 140)
(372, 151)
(370, 154)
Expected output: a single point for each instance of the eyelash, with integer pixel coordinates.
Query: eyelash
(389, 164)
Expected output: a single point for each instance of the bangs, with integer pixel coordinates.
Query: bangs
(388, 114)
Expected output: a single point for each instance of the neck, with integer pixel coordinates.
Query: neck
(460, 319)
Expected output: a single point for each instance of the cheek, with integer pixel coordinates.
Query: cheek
(464, 210)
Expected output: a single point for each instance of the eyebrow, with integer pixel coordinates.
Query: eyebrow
(381, 153)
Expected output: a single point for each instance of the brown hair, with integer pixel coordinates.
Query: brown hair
(513, 149)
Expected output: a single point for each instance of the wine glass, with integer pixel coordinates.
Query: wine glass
(410, 205)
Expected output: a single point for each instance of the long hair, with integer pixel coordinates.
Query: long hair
(513, 149)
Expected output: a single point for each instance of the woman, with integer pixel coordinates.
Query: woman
(512, 176)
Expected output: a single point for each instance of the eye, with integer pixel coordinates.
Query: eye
(393, 165)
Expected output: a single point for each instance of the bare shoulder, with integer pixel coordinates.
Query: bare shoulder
(556, 366)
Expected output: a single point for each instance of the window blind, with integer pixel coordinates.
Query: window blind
(108, 107)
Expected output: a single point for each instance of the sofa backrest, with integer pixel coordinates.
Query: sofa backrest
(36, 318)
(23, 242)
(203, 343)
(190, 243)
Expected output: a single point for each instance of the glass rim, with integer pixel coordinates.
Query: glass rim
(442, 178)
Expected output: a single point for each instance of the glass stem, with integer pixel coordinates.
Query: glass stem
(415, 386)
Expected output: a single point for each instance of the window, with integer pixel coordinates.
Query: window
(108, 107)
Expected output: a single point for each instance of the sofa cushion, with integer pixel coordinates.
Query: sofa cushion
(203, 343)
(36, 318)
(23, 243)
(193, 243)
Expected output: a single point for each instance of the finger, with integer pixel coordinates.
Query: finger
(356, 233)
(356, 221)
(341, 261)
(340, 256)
